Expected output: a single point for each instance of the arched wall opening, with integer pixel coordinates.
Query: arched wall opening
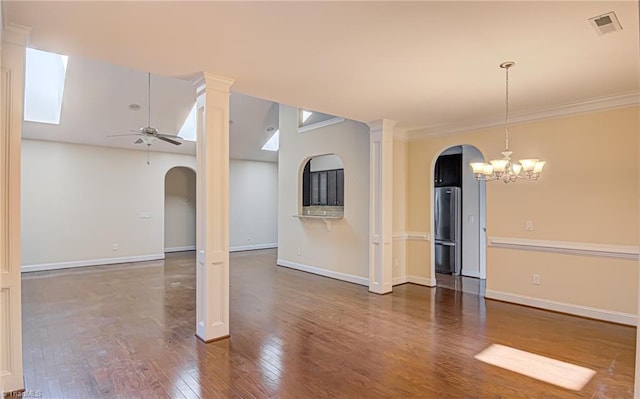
(180, 209)
(321, 191)
(470, 216)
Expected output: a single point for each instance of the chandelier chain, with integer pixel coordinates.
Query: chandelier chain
(506, 106)
(149, 99)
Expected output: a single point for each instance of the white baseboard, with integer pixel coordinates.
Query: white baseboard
(429, 282)
(253, 247)
(562, 307)
(399, 280)
(324, 272)
(90, 262)
(180, 249)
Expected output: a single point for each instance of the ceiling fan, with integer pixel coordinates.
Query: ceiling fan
(149, 134)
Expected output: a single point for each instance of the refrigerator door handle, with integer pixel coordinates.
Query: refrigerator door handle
(446, 243)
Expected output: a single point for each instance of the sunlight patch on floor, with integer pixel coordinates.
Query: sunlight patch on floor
(542, 368)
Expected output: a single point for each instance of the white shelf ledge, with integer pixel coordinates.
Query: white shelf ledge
(325, 218)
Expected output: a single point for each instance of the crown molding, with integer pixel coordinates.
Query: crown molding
(15, 34)
(621, 100)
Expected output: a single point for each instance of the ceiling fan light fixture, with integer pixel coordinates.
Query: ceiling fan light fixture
(149, 134)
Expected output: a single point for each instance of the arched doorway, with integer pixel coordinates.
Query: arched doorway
(180, 210)
(458, 218)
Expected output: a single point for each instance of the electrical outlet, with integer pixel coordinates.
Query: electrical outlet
(299, 252)
(528, 225)
(249, 237)
(536, 279)
(114, 247)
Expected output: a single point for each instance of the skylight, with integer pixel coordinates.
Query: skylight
(188, 129)
(274, 142)
(306, 115)
(45, 75)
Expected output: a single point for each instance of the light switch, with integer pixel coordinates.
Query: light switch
(471, 219)
(528, 225)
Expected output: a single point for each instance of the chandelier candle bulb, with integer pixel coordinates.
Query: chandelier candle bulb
(478, 167)
(499, 165)
(504, 169)
(528, 164)
(517, 168)
(538, 168)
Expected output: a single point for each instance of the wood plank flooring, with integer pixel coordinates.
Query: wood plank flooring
(127, 331)
(470, 285)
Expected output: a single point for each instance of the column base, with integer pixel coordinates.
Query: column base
(206, 341)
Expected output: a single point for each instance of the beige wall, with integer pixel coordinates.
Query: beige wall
(180, 209)
(78, 200)
(587, 194)
(400, 168)
(345, 248)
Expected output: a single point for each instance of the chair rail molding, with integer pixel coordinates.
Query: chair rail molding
(565, 247)
(412, 236)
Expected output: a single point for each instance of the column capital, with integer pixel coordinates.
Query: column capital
(212, 81)
(15, 34)
(380, 125)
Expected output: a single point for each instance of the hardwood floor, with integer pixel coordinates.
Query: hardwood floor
(470, 285)
(127, 331)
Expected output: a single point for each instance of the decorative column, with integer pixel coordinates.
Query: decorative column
(381, 206)
(13, 41)
(212, 208)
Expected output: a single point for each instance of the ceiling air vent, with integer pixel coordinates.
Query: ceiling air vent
(605, 23)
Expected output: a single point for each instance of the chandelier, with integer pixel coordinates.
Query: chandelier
(504, 169)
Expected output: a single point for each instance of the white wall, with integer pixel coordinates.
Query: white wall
(307, 243)
(78, 201)
(180, 210)
(253, 205)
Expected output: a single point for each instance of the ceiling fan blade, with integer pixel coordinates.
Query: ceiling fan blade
(138, 141)
(171, 136)
(168, 140)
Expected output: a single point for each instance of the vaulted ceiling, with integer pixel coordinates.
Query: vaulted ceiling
(96, 103)
(423, 64)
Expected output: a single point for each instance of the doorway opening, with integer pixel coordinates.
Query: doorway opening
(180, 210)
(459, 221)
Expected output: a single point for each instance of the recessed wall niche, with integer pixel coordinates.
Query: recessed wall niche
(323, 186)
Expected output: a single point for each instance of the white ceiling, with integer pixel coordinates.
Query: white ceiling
(423, 64)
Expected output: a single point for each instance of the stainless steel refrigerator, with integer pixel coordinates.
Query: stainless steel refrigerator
(447, 209)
